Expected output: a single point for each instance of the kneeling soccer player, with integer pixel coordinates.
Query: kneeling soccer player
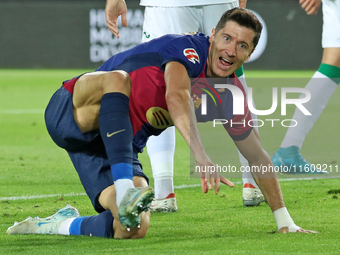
(104, 118)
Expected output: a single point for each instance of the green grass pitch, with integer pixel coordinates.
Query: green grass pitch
(37, 178)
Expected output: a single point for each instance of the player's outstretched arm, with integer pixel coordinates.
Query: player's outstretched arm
(310, 6)
(265, 176)
(114, 9)
(182, 113)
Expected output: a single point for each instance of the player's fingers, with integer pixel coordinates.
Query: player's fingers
(124, 20)
(114, 31)
(309, 7)
(112, 25)
(313, 10)
(204, 185)
(217, 185)
(304, 4)
(301, 230)
(211, 183)
(227, 182)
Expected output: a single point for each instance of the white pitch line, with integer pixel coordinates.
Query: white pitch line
(184, 186)
(41, 196)
(22, 111)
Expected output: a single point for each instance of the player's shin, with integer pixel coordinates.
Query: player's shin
(116, 132)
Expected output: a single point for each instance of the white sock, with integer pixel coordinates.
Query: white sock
(161, 150)
(248, 178)
(163, 188)
(121, 186)
(321, 88)
(64, 227)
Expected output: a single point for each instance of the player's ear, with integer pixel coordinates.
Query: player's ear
(212, 35)
(213, 31)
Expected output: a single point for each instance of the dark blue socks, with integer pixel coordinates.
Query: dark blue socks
(116, 132)
(99, 225)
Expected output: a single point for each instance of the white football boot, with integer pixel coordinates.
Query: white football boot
(252, 196)
(167, 204)
(49, 225)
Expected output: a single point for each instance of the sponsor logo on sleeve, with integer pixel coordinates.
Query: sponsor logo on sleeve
(191, 55)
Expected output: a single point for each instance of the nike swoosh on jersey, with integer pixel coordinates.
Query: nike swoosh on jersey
(109, 135)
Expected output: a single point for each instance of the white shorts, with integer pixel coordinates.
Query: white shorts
(159, 21)
(331, 24)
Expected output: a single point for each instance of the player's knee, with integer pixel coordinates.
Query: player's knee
(117, 81)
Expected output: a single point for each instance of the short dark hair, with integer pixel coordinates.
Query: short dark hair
(244, 18)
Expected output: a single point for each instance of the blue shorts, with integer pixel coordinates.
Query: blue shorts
(86, 151)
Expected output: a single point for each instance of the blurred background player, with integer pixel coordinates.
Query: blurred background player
(175, 17)
(322, 86)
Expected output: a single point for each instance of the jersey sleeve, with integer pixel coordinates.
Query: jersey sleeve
(189, 50)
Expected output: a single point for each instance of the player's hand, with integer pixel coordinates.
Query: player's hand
(310, 6)
(242, 3)
(210, 174)
(301, 230)
(215, 180)
(114, 9)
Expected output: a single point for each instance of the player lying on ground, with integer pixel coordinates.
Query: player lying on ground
(103, 120)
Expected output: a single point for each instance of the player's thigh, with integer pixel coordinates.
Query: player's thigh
(331, 24)
(212, 14)
(331, 56)
(160, 21)
(88, 91)
(90, 87)
(331, 32)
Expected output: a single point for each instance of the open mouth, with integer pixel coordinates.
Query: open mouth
(225, 62)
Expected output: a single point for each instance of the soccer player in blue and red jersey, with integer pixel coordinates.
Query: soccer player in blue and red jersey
(104, 118)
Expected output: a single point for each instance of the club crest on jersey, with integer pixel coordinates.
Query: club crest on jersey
(191, 55)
